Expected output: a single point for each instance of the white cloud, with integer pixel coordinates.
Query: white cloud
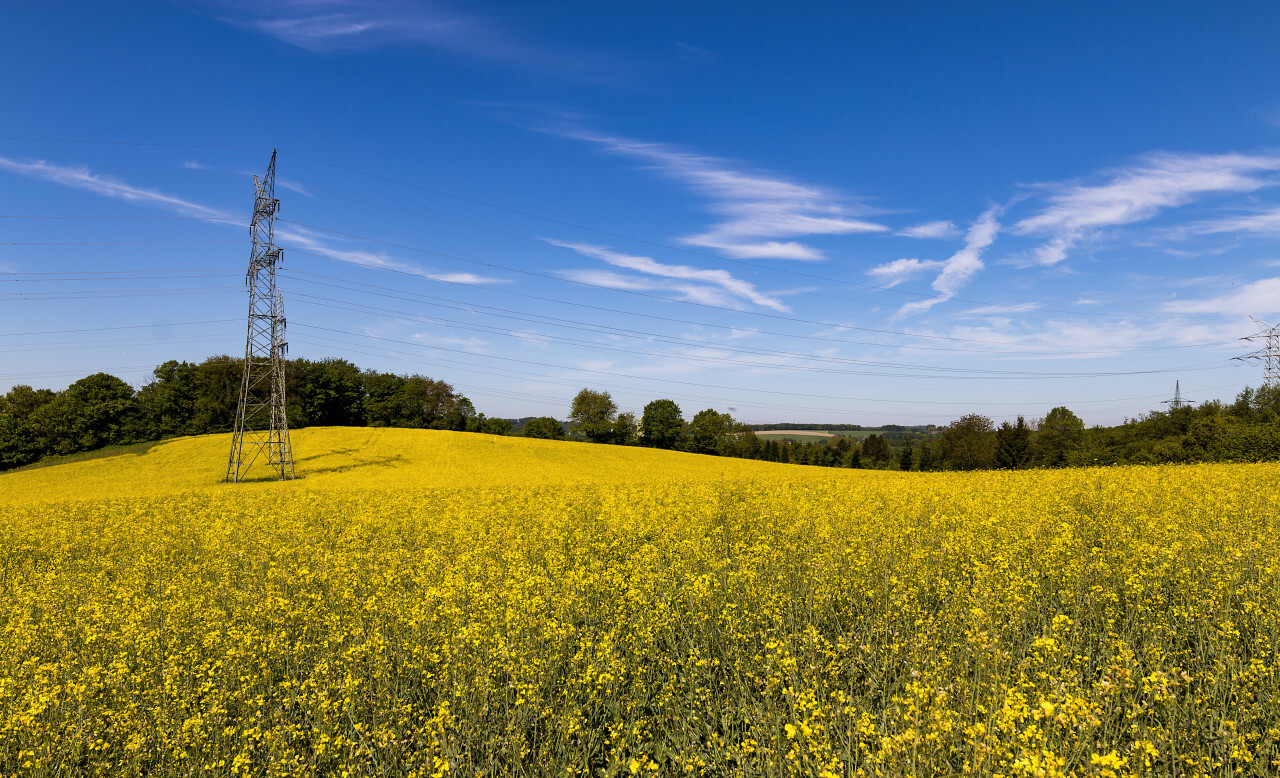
(712, 287)
(899, 270)
(758, 210)
(84, 179)
(313, 242)
(1265, 222)
(294, 186)
(1260, 298)
(962, 265)
(939, 230)
(1138, 193)
(326, 26)
(337, 26)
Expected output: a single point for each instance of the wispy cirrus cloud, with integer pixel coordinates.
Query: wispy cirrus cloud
(936, 230)
(317, 243)
(294, 186)
(762, 214)
(1138, 193)
(711, 287)
(899, 270)
(1265, 222)
(962, 265)
(84, 179)
(1260, 298)
(338, 26)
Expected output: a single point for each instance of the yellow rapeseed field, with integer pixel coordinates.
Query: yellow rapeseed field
(433, 603)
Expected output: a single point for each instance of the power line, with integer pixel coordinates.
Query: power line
(123, 242)
(632, 292)
(923, 371)
(575, 225)
(574, 324)
(668, 380)
(113, 294)
(133, 143)
(124, 327)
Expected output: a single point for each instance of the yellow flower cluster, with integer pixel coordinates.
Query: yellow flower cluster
(433, 603)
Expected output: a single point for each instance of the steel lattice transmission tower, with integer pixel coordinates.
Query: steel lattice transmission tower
(1269, 353)
(261, 424)
(1178, 400)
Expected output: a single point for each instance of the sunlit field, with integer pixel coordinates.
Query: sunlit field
(434, 603)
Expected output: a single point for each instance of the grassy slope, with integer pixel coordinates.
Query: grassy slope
(360, 457)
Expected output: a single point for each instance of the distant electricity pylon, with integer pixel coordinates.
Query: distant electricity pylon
(1269, 353)
(260, 415)
(1178, 400)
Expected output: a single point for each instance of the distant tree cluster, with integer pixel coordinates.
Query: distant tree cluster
(1245, 431)
(594, 417)
(184, 398)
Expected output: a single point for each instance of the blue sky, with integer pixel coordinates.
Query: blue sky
(840, 212)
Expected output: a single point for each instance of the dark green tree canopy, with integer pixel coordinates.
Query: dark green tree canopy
(875, 449)
(661, 424)
(708, 432)
(544, 427)
(969, 443)
(592, 416)
(1013, 445)
(1060, 433)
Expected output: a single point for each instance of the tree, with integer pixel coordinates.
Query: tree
(1059, 434)
(332, 391)
(457, 416)
(624, 429)
(167, 403)
(1013, 445)
(905, 461)
(661, 424)
(592, 416)
(544, 427)
(217, 381)
(496, 427)
(20, 442)
(927, 459)
(876, 449)
(96, 411)
(707, 432)
(969, 443)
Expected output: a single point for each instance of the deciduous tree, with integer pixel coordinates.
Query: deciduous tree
(592, 416)
(661, 424)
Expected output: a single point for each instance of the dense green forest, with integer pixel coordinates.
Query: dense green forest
(184, 398)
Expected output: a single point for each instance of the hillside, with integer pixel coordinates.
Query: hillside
(420, 600)
(345, 458)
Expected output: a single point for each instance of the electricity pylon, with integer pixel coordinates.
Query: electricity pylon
(261, 424)
(1178, 400)
(1269, 353)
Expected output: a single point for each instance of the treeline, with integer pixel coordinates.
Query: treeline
(1247, 430)
(184, 398)
(594, 417)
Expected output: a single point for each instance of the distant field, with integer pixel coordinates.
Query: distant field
(438, 603)
(793, 434)
(815, 435)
